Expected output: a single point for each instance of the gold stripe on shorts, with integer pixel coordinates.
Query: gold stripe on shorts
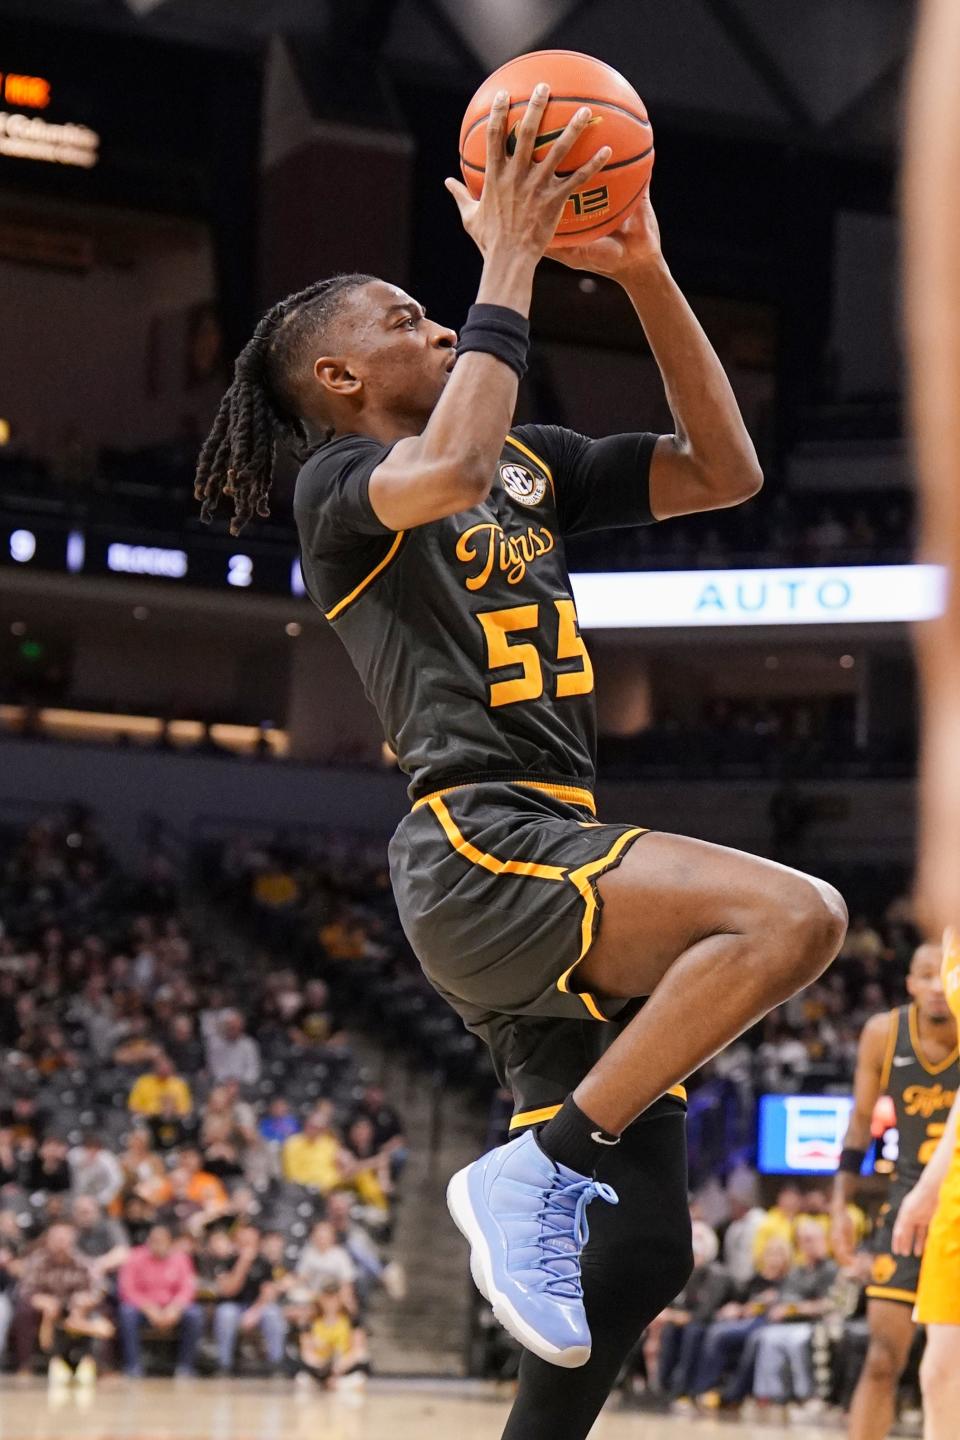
(570, 794)
(531, 868)
(581, 880)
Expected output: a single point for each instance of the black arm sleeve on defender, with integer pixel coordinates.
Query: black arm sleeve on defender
(600, 484)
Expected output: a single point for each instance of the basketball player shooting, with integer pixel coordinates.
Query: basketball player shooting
(432, 539)
(910, 1055)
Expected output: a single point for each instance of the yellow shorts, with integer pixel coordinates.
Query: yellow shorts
(938, 1298)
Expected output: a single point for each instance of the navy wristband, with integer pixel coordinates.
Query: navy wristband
(851, 1160)
(499, 331)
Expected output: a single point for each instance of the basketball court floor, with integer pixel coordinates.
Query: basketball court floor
(251, 1410)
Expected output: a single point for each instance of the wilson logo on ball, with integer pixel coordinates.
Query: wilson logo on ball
(520, 484)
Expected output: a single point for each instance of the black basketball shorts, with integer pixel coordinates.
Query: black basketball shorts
(496, 888)
(892, 1277)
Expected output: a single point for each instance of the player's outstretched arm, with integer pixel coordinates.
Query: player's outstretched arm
(451, 465)
(918, 1208)
(932, 248)
(867, 1083)
(709, 463)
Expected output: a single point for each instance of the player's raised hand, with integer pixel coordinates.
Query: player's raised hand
(633, 245)
(523, 198)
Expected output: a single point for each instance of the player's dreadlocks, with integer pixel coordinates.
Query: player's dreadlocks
(261, 407)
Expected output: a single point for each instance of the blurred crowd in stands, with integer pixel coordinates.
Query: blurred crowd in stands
(194, 1173)
(816, 736)
(768, 1324)
(779, 527)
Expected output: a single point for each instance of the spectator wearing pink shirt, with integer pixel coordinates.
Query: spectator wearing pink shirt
(158, 1285)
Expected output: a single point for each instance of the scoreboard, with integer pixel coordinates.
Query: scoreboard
(207, 560)
(606, 600)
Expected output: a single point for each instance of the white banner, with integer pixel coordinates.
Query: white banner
(827, 595)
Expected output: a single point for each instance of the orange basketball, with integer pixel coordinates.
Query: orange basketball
(620, 120)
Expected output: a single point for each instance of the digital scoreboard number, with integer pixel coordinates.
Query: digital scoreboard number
(29, 91)
(206, 561)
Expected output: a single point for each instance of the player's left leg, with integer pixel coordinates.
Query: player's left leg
(940, 1379)
(716, 938)
(873, 1408)
(637, 1259)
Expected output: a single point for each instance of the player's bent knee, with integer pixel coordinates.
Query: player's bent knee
(827, 919)
(884, 1363)
(936, 1375)
(814, 916)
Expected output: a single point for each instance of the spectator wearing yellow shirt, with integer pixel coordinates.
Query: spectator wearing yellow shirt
(343, 940)
(274, 888)
(780, 1221)
(333, 1348)
(152, 1090)
(793, 1208)
(366, 1168)
(313, 1157)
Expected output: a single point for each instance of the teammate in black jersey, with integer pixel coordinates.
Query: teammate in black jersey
(432, 538)
(910, 1055)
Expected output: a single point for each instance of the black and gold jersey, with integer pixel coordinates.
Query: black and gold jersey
(464, 631)
(922, 1094)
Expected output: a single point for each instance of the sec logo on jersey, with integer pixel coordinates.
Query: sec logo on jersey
(522, 485)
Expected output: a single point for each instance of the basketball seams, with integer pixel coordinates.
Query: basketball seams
(570, 99)
(564, 174)
(614, 164)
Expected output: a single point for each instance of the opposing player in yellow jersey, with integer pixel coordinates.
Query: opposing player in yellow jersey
(929, 1224)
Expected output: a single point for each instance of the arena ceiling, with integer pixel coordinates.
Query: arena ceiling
(819, 72)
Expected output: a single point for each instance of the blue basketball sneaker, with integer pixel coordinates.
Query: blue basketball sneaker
(525, 1218)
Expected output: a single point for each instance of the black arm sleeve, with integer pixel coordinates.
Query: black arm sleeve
(599, 484)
